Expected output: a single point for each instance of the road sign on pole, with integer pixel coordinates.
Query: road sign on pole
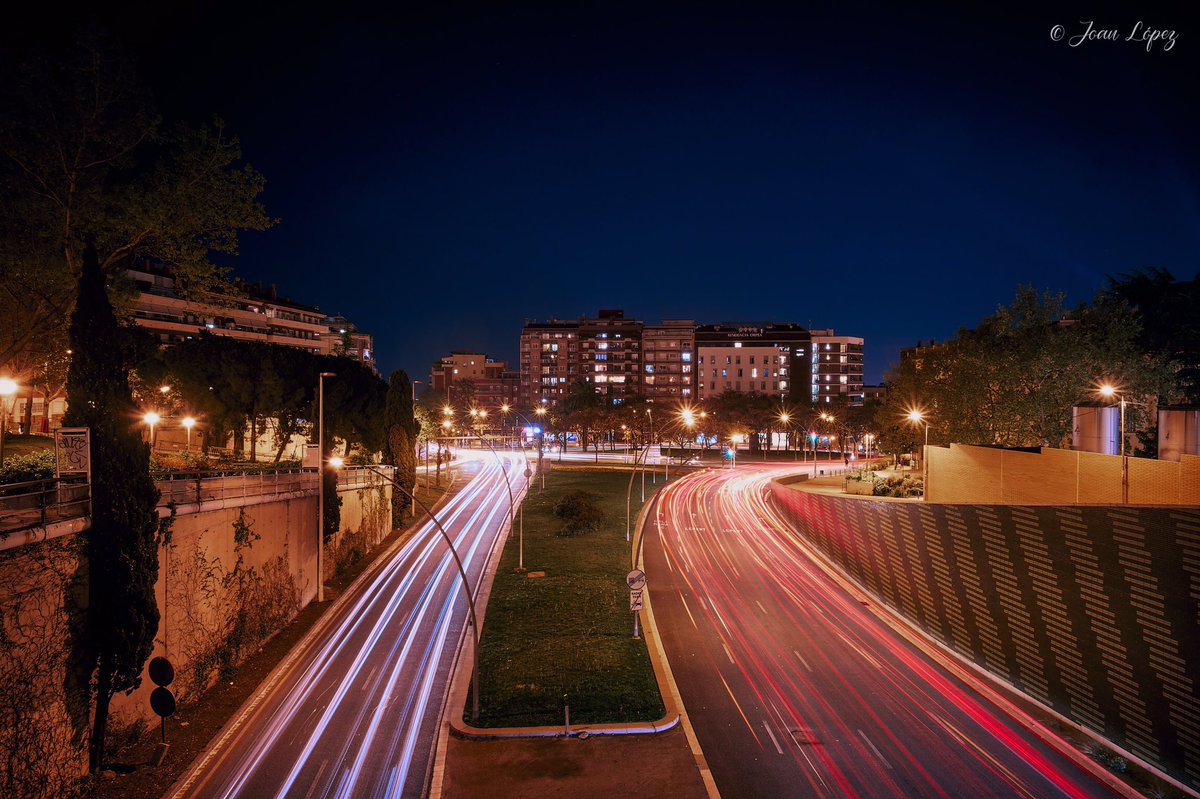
(635, 601)
(636, 579)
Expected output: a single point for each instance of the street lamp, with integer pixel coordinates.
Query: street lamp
(462, 573)
(786, 419)
(8, 392)
(151, 418)
(918, 417)
(188, 423)
(541, 412)
(321, 483)
(1109, 392)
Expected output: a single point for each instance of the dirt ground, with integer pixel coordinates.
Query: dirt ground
(605, 766)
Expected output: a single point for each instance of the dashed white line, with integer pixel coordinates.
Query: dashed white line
(878, 754)
(760, 606)
(774, 740)
(802, 660)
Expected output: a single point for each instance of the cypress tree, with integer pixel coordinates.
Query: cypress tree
(400, 431)
(122, 545)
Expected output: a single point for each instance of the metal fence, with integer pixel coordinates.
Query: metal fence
(42, 502)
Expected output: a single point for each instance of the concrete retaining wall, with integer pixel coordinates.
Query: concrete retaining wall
(1094, 611)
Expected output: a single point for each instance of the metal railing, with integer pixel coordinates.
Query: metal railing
(186, 488)
(42, 502)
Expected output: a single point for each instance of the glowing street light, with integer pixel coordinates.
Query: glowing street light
(151, 418)
(917, 416)
(1109, 391)
(188, 423)
(8, 392)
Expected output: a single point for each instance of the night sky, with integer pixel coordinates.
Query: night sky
(442, 175)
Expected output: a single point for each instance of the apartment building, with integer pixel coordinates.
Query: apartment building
(752, 358)
(668, 361)
(254, 314)
(837, 367)
(549, 362)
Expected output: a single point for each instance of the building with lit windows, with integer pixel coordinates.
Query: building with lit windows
(668, 361)
(549, 362)
(255, 313)
(752, 358)
(837, 367)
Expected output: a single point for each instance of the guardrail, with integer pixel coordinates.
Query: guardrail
(186, 488)
(42, 502)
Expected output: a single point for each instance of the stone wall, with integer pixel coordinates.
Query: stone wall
(1094, 611)
(229, 578)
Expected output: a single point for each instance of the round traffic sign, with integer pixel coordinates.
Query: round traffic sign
(636, 579)
(528, 472)
(161, 671)
(162, 702)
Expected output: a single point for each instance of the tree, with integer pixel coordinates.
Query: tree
(82, 151)
(1013, 380)
(122, 545)
(401, 429)
(1169, 313)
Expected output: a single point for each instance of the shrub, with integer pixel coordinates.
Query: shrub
(27, 468)
(898, 486)
(579, 512)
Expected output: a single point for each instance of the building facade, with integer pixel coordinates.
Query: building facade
(837, 367)
(257, 314)
(669, 361)
(753, 358)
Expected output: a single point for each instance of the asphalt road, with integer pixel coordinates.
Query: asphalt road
(354, 713)
(795, 689)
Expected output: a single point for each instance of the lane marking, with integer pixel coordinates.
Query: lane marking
(728, 654)
(760, 607)
(802, 660)
(683, 602)
(749, 726)
(317, 779)
(875, 749)
(767, 727)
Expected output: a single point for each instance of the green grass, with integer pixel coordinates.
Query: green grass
(569, 632)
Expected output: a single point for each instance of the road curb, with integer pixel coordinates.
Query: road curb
(462, 674)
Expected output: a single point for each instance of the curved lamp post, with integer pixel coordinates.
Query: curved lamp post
(512, 502)
(462, 573)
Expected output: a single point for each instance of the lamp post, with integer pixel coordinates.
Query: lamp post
(417, 454)
(462, 573)
(151, 418)
(321, 483)
(541, 412)
(188, 423)
(8, 391)
(1109, 392)
(918, 417)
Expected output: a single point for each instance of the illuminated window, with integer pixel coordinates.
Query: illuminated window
(753, 372)
(737, 343)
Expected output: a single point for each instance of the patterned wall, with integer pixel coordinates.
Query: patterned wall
(1094, 611)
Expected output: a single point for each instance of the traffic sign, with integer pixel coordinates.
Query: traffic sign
(635, 600)
(636, 580)
(161, 671)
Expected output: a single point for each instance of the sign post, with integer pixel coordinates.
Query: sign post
(636, 580)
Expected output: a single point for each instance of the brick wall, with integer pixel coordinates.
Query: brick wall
(982, 475)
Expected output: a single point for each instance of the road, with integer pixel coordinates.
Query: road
(794, 688)
(355, 714)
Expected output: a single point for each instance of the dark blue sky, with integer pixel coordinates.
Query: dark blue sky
(895, 174)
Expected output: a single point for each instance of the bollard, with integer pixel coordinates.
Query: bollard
(566, 718)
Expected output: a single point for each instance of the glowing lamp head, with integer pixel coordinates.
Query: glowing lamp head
(540, 411)
(447, 410)
(336, 462)
(504, 408)
(785, 417)
(8, 386)
(446, 424)
(1107, 391)
(188, 422)
(164, 389)
(152, 418)
(916, 417)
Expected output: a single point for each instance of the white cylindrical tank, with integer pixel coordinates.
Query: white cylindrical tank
(1096, 428)
(1178, 432)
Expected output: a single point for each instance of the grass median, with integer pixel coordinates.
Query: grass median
(569, 632)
